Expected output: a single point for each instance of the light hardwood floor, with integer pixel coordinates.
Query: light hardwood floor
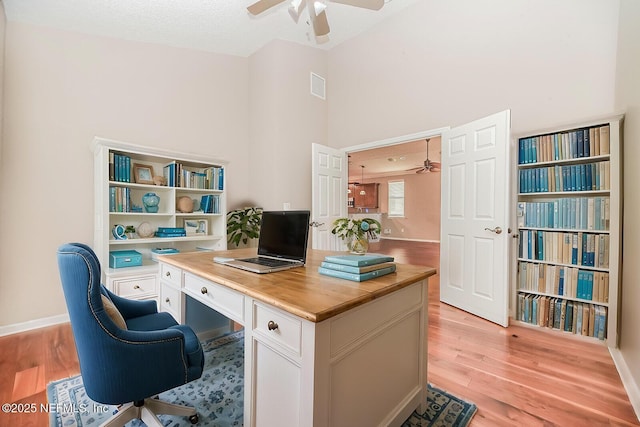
(518, 376)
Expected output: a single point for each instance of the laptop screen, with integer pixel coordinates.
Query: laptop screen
(284, 234)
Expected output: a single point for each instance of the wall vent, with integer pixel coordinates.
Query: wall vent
(318, 86)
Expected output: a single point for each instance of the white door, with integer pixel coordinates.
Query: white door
(475, 217)
(329, 195)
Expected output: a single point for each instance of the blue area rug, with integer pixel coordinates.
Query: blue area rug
(219, 396)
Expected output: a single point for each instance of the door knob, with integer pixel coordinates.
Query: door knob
(316, 224)
(496, 230)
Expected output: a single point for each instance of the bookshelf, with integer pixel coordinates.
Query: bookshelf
(123, 175)
(568, 213)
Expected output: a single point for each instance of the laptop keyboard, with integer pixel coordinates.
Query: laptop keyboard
(267, 262)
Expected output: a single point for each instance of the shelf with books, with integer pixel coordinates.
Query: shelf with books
(125, 174)
(568, 228)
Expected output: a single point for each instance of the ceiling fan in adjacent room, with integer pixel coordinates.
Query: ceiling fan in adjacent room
(316, 8)
(428, 165)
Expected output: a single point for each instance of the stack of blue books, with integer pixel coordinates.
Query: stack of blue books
(171, 232)
(357, 268)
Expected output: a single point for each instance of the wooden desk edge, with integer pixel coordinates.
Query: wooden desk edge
(274, 300)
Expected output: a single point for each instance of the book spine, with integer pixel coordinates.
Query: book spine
(357, 277)
(112, 168)
(167, 234)
(170, 229)
(358, 261)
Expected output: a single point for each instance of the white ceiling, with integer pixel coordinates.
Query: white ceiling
(222, 26)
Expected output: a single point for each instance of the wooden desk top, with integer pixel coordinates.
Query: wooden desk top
(301, 291)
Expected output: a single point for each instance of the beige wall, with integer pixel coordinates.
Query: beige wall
(284, 120)
(422, 207)
(3, 25)
(628, 100)
(444, 63)
(62, 89)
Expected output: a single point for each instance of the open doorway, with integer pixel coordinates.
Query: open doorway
(409, 172)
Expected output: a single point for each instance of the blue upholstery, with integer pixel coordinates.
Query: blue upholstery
(152, 355)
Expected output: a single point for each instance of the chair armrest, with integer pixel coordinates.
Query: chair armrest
(133, 308)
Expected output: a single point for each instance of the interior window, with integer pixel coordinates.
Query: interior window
(396, 198)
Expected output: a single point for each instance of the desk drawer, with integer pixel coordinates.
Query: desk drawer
(137, 287)
(170, 301)
(171, 274)
(278, 326)
(220, 298)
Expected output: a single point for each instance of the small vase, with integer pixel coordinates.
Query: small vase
(150, 202)
(358, 245)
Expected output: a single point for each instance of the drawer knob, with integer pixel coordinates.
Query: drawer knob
(204, 290)
(272, 325)
(168, 274)
(167, 300)
(136, 287)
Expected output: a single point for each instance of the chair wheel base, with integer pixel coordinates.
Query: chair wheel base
(193, 419)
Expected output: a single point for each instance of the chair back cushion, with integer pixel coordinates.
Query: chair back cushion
(113, 312)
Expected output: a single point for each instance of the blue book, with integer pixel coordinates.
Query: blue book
(221, 179)
(127, 168)
(170, 229)
(206, 203)
(358, 260)
(357, 277)
(580, 143)
(355, 270)
(568, 324)
(534, 154)
(586, 141)
(561, 282)
(588, 276)
(540, 246)
(169, 234)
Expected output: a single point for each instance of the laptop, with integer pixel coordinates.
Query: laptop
(282, 243)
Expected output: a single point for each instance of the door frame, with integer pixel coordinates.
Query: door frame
(395, 140)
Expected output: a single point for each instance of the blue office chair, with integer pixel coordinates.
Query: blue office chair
(128, 352)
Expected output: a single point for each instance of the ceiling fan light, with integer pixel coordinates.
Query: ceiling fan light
(295, 9)
(319, 7)
(363, 193)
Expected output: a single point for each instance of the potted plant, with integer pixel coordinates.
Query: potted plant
(356, 232)
(243, 225)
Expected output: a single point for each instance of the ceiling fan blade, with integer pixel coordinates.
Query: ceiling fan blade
(365, 4)
(262, 5)
(318, 20)
(296, 8)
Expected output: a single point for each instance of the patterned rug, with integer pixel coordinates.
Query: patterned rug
(219, 397)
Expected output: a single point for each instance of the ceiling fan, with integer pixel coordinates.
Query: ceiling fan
(316, 8)
(428, 165)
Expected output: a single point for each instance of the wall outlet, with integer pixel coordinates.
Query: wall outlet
(286, 206)
(387, 231)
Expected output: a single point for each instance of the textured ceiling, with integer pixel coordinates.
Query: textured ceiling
(222, 26)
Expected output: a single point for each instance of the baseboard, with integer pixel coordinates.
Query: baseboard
(630, 385)
(33, 324)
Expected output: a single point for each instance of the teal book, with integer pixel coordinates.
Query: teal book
(357, 277)
(356, 270)
(358, 260)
